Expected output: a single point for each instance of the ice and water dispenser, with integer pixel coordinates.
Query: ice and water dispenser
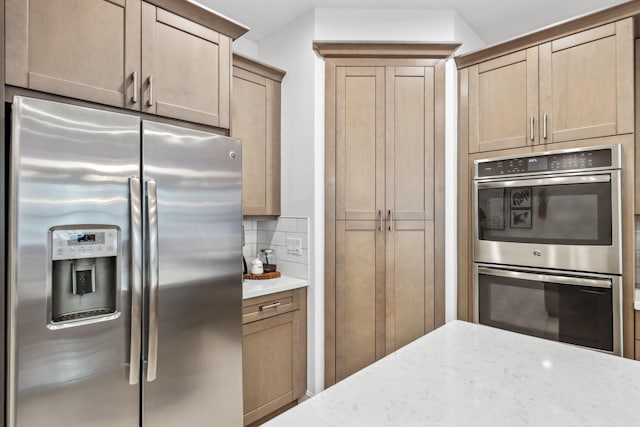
(84, 274)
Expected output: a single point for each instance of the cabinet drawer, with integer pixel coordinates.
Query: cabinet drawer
(637, 325)
(269, 305)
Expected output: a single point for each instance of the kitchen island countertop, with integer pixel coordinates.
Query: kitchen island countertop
(257, 288)
(465, 374)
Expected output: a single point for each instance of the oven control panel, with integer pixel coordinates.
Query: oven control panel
(550, 162)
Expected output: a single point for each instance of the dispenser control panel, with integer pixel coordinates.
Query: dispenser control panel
(85, 243)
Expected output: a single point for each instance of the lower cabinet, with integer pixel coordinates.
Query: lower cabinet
(274, 353)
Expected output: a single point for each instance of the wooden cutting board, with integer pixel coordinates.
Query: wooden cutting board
(270, 275)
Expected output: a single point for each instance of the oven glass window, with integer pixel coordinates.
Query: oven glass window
(572, 314)
(568, 214)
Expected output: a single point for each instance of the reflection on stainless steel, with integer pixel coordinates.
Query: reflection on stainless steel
(199, 311)
(559, 211)
(54, 148)
(79, 168)
(570, 252)
(152, 277)
(135, 263)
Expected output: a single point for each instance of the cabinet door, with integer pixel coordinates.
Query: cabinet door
(84, 49)
(360, 143)
(410, 279)
(255, 112)
(186, 69)
(585, 82)
(268, 358)
(410, 147)
(360, 305)
(503, 102)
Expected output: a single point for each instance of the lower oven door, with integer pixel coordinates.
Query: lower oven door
(576, 309)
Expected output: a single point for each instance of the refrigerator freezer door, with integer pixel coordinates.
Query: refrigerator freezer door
(69, 165)
(199, 298)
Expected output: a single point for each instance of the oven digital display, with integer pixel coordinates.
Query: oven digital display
(552, 162)
(536, 164)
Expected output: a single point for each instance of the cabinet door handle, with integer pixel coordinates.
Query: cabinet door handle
(134, 98)
(531, 129)
(150, 91)
(544, 126)
(390, 220)
(270, 306)
(381, 219)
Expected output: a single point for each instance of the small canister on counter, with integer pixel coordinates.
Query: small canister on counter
(268, 258)
(256, 266)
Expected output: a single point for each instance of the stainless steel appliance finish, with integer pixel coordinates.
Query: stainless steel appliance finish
(579, 227)
(172, 355)
(193, 185)
(577, 309)
(69, 165)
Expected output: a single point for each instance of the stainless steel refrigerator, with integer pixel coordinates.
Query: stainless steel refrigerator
(124, 305)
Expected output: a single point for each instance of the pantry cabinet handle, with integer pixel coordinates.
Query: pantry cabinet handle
(531, 129)
(544, 126)
(134, 98)
(390, 220)
(269, 306)
(150, 91)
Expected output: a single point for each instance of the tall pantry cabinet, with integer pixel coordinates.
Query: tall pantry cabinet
(384, 227)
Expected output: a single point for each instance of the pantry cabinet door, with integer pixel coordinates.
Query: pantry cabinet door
(360, 143)
(410, 149)
(84, 49)
(360, 300)
(584, 84)
(503, 102)
(186, 69)
(410, 282)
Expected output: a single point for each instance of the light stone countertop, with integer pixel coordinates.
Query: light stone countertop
(465, 374)
(257, 288)
(636, 302)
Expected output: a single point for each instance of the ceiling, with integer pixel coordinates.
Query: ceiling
(492, 20)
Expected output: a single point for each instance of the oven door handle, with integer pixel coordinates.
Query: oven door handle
(581, 179)
(564, 280)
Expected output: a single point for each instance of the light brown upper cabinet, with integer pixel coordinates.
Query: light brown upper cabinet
(503, 102)
(255, 119)
(85, 49)
(585, 84)
(186, 69)
(124, 53)
(567, 89)
(384, 198)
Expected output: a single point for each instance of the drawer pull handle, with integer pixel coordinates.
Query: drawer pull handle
(269, 306)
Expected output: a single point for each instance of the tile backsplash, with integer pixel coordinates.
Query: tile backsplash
(274, 234)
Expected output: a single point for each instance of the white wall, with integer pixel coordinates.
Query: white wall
(303, 127)
(302, 166)
(462, 32)
(246, 47)
(384, 24)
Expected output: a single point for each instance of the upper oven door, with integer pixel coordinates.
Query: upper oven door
(568, 221)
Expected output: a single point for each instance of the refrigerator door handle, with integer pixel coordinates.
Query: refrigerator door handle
(136, 279)
(152, 212)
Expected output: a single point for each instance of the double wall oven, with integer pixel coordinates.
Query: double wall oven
(547, 245)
